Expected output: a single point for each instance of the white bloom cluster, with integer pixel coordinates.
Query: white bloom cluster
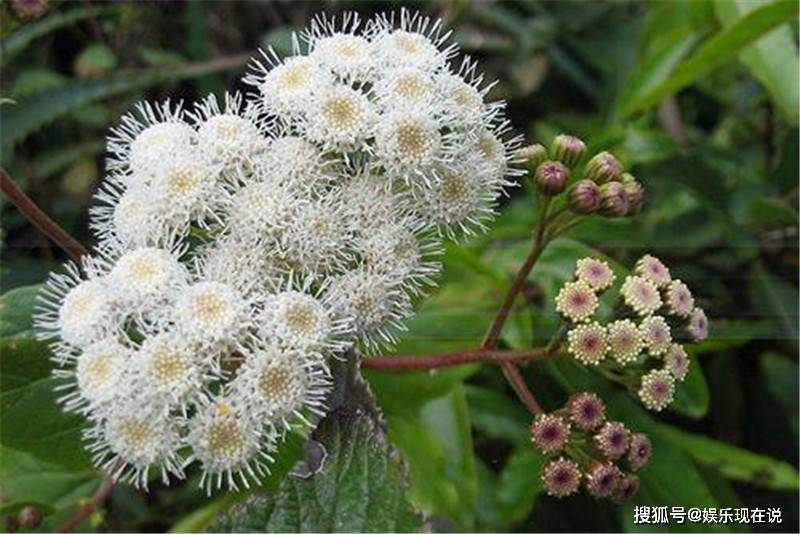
(245, 241)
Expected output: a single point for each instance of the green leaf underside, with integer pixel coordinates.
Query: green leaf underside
(16, 310)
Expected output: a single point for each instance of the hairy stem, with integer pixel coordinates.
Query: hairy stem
(38, 218)
(452, 358)
(94, 502)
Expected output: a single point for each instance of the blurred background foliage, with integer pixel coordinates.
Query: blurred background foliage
(699, 99)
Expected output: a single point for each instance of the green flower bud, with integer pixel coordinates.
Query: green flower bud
(603, 168)
(584, 197)
(613, 200)
(568, 149)
(551, 177)
(532, 156)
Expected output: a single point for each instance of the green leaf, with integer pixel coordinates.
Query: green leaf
(38, 110)
(496, 415)
(361, 486)
(17, 41)
(691, 396)
(16, 310)
(734, 462)
(772, 60)
(94, 60)
(519, 484)
(30, 417)
(781, 378)
(776, 299)
(720, 49)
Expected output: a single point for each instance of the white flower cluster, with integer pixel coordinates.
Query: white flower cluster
(245, 241)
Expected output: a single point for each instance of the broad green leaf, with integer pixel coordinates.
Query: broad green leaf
(496, 415)
(776, 299)
(17, 41)
(781, 378)
(519, 484)
(361, 486)
(691, 396)
(31, 420)
(734, 462)
(36, 111)
(58, 159)
(16, 309)
(720, 49)
(772, 60)
(36, 80)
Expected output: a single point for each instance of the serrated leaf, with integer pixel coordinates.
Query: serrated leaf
(360, 487)
(30, 417)
(16, 310)
(734, 462)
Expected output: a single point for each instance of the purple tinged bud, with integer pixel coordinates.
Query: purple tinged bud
(639, 452)
(532, 156)
(584, 197)
(635, 192)
(602, 480)
(586, 410)
(627, 488)
(603, 168)
(568, 149)
(551, 177)
(613, 200)
(613, 440)
(30, 517)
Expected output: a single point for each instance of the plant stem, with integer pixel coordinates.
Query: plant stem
(96, 500)
(38, 218)
(452, 358)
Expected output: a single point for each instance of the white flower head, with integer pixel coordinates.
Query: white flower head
(410, 40)
(407, 145)
(139, 436)
(228, 442)
(240, 260)
(280, 384)
(146, 277)
(261, 211)
(296, 165)
(287, 87)
(371, 202)
(460, 102)
(148, 136)
(405, 87)
(299, 320)
(211, 313)
(339, 118)
(186, 189)
(339, 49)
(77, 310)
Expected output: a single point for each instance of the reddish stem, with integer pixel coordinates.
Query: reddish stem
(94, 503)
(39, 218)
(452, 358)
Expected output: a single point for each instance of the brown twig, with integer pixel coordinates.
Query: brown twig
(38, 218)
(448, 359)
(94, 502)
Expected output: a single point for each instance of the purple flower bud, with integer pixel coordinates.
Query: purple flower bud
(586, 410)
(551, 177)
(568, 149)
(613, 199)
(602, 480)
(532, 156)
(584, 197)
(561, 477)
(627, 488)
(613, 440)
(603, 168)
(639, 452)
(550, 433)
(635, 191)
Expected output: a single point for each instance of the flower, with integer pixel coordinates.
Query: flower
(602, 168)
(340, 118)
(146, 277)
(584, 197)
(676, 361)
(561, 477)
(551, 177)
(408, 144)
(655, 334)
(639, 452)
(602, 480)
(550, 433)
(613, 199)
(288, 87)
(299, 320)
(587, 343)
(624, 341)
(613, 440)
(586, 410)
(596, 273)
(679, 299)
(532, 156)
(576, 301)
(567, 149)
(627, 488)
(698, 325)
(640, 295)
(657, 389)
(228, 443)
(210, 313)
(652, 269)
(171, 369)
(635, 193)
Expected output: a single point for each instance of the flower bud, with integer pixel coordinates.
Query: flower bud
(568, 149)
(613, 199)
(635, 191)
(628, 487)
(551, 177)
(532, 156)
(584, 197)
(30, 517)
(603, 167)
